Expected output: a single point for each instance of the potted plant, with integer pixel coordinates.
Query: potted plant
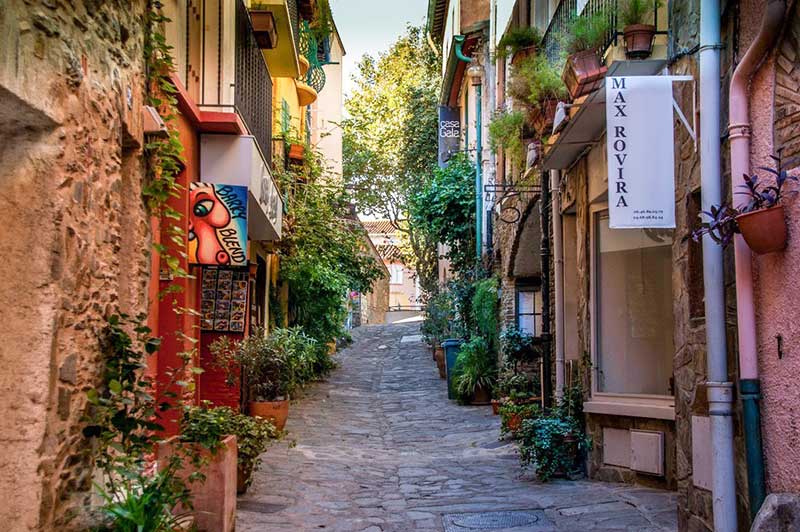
(212, 468)
(475, 372)
(505, 132)
(637, 32)
(552, 445)
(583, 69)
(254, 435)
(536, 84)
(761, 220)
(519, 43)
(266, 374)
(512, 415)
(264, 29)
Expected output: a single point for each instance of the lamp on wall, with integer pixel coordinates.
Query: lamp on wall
(475, 73)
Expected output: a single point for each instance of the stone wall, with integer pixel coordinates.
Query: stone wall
(76, 240)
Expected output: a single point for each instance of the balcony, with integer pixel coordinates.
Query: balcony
(283, 57)
(613, 49)
(252, 83)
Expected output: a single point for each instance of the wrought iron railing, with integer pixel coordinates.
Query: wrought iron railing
(252, 83)
(567, 11)
(294, 15)
(309, 47)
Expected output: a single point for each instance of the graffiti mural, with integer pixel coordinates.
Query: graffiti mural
(218, 224)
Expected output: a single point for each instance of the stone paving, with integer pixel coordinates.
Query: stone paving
(380, 448)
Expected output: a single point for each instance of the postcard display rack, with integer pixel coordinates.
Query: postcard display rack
(224, 300)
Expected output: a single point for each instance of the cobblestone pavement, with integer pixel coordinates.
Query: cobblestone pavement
(380, 448)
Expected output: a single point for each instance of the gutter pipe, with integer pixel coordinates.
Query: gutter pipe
(720, 390)
(459, 40)
(739, 134)
(558, 259)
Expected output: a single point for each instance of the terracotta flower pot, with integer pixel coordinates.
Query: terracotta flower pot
(440, 362)
(481, 397)
(243, 475)
(764, 230)
(213, 499)
(296, 152)
(264, 29)
(275, 411)
(583, 73)
(514, 423)
(522, 54)
(639, 40)
(495, 407)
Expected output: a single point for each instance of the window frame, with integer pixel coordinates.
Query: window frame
(614, 403)
(400, 270)
(530, 286)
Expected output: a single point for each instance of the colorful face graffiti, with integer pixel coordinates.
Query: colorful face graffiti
(218, 224)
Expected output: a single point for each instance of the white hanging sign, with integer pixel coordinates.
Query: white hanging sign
(641, 158)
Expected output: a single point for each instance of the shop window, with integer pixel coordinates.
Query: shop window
(634, 320)
(396, 272)
(529, 310)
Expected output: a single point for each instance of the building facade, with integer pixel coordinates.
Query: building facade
(625, 310)
(404, 289)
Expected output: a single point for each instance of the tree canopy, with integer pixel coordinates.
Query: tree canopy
(390, 139)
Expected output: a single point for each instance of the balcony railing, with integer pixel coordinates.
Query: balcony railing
(253, 84)
(567, 11)
(309, 47)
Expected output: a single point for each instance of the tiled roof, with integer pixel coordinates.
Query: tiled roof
(378, 227)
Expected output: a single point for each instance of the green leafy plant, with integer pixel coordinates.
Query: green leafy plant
(444, 208)
(537, 80)
(208, 426)
(551, 444)
(435, 326)
(588, 32)
(505, 132)
(518, 39)
(485, 308)
(258, 361)
(638, 11)
(517, 346)
(474, 369)
(122, 426)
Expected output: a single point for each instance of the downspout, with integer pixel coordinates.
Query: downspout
(459, 44)
(558, 259)
(544, 207)
(739, 129)
(720, 390)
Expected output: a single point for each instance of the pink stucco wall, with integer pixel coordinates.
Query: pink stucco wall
(777, 285)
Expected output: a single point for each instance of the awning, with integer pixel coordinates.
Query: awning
(587, 118)
(236, 160)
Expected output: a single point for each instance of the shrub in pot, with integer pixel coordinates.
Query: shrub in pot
(505, 132)
(583, 70)
(552, 445)
(637, 31)
(475, 372)
(266, 374)
(519, 43)
(535, 85)
(512, 415)
(761, 220)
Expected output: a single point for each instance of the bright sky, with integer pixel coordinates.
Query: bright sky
(370, 26)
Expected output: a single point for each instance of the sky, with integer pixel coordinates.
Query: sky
(370, 26)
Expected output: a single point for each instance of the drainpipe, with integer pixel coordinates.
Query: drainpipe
(739, 130)
(558, 259)
(544, 207)
(720, 390)
(477, 82)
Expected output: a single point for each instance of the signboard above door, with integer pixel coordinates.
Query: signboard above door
(641, 152)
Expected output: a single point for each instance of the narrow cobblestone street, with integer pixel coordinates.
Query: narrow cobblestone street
(380, 448)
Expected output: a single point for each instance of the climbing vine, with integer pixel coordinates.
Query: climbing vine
(163, 154)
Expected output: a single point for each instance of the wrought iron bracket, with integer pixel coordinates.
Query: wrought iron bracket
(503, 193)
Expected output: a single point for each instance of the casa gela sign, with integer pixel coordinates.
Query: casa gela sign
(641, 152)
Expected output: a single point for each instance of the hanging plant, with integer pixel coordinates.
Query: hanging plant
(518, 39)
(505, 132)
(583, 69)
(761, 221)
